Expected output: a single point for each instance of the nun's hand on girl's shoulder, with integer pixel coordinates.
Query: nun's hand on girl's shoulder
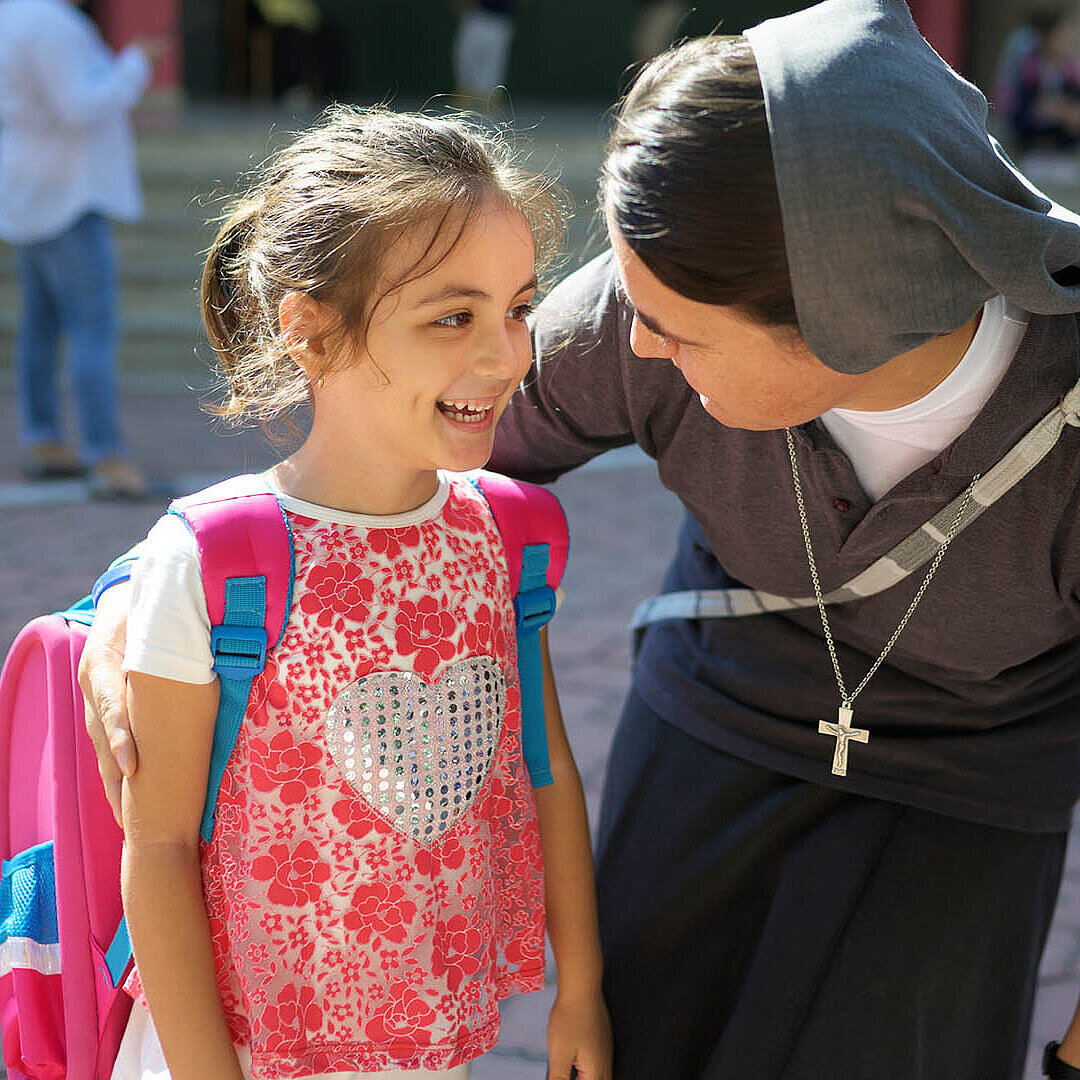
(104, 687)
(579, 1038)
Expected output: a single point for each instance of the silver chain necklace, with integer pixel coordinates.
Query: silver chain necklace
(842, 730)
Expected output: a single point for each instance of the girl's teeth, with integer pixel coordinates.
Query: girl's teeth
(462, 410)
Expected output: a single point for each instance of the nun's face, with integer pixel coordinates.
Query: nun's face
(747, 375)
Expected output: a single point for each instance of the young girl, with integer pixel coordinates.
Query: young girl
(382, 269)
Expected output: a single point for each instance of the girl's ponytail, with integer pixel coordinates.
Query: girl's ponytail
(224, 279)
(238, 300)
(225, 300)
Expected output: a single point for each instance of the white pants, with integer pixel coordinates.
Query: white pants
(481, 50)
(141, 1058)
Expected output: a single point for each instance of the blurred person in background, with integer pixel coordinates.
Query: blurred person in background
(297, 51)
(67, 165)
(655, 27)
(481, 50)
(1037, 92)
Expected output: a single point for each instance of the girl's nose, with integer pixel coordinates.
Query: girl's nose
(646, 344)
(506, 352)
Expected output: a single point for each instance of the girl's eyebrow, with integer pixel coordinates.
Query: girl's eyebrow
(453, 291)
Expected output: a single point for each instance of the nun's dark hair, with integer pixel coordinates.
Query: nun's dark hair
(688, 180)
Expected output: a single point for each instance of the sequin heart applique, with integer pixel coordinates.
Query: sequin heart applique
(419, 753)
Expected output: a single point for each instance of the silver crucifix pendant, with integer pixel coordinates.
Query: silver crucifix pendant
(843, 732)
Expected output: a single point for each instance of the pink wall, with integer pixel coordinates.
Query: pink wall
(944, 25)
(122, 20)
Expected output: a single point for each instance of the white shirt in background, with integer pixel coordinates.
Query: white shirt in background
(66, 147)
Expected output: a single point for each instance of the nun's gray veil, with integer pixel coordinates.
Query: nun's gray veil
(901, 215)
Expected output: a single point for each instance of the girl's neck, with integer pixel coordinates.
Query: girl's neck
(321, 477)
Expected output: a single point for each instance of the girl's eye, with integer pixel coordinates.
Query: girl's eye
(522, 311)
(456, 321)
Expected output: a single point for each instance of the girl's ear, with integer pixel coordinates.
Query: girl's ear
(303, 322)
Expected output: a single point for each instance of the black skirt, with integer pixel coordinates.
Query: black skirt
(757, 927)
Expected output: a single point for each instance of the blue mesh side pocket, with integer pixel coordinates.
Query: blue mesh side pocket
(31, 993)
(29, 938)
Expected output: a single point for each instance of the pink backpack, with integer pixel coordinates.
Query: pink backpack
(64, 952)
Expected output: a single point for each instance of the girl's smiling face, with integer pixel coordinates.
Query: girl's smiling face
(436, 366)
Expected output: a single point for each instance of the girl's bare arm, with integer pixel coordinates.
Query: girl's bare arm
(162, 884)
(579, 1032)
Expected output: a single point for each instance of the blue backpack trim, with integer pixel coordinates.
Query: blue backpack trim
(534, 606)
(118, 955)
(238, 646)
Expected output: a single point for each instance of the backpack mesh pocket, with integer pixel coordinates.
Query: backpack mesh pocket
(31, 1003)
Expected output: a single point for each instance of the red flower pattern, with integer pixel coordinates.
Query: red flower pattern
(266, 694)
(295, 876)
(410, 947)
(280, 763)
(405, 1017)
(449, 854)
(479, 632)
(389, 542)
(425, 628)
(460, 949)
(337, 589)
(381, 910)
(294, 1011)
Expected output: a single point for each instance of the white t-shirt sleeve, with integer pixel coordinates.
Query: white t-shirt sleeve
(168, 626)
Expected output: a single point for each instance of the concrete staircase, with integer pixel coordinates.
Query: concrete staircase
(186, 172)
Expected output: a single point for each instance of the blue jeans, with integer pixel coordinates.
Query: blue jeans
(68, 288)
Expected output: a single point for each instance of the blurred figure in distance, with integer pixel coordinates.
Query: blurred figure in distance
(481, 51)
(67, 165)
(1038, 93)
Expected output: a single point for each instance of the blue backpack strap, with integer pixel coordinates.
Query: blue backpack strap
(246, 558)
(238, 644)
(534, 605)
(82, 610)
(534, 533)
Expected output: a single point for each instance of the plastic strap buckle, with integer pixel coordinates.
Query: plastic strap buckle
(238, 651)
(534, 609)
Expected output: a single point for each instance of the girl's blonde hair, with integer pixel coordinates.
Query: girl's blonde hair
(320, 219)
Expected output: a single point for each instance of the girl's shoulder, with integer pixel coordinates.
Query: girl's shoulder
(169, 542)
(168, 625)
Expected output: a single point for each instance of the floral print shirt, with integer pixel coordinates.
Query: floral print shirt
(374, 881)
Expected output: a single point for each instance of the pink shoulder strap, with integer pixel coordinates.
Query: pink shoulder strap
(526, 514)
(536, 539)
(241, 531)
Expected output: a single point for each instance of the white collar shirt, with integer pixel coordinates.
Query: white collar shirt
(66, 146)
